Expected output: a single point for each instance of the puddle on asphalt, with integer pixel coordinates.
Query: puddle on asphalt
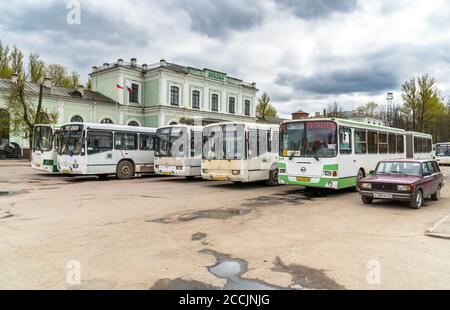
(231, 269)
(307, 278)
(11, 193)
(198, 236)
(218, 214)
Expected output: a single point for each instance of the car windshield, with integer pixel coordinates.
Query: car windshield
(309, 139)
(224, 142)
(71, 140)
(398, 167)
(42, 138)
(443, 150)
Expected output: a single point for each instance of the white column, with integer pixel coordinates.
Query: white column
(186, 95)
(163, 90)
(121, 116)
(161, 118)
(205, 105)
(224, 102)
(120, 92)
(61, 113)
(239, 105)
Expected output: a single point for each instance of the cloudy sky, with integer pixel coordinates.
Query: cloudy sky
(304, 53)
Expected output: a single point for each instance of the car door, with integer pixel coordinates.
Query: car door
(427, 180)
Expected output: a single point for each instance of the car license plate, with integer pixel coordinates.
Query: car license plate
(302, 179)
(66, 171)
(383, 196)
(167, 173)
(219, 179)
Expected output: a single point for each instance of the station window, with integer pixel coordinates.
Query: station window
(133, 123)
(99, 142)
(195, 99)
(174, 95)
(392, 144)
(372, 142)
(214, 102)
(345, 140)
(76, 119)
(400, 144)
(231, 105)
(360, 141)
(247, 107)
(134, 93)
(146, 141)
(382, 143)
(125, 141)
(106, 121)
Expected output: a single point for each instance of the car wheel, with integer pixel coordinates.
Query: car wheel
(273, 178)
(417, 201)
(436, 196)
(125, 170)
(366, 200)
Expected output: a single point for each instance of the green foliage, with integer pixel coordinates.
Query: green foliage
(264, 109)
(36, 69)
(89, 84)
(370, 109)
(5, 71)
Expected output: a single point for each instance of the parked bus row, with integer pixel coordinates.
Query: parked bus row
(327, 153)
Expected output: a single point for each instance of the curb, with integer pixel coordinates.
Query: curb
(431, 232)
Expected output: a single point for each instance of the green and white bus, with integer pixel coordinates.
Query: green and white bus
(44, 148)
(336, 153)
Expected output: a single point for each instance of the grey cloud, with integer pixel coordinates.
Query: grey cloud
(50, 19)
(338, 82)
(215, 18)
(314, 9)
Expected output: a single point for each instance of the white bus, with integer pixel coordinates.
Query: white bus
(240, 152)
(44, 148)
(178, 151)
(336, 153)
(105, 149)
(419, 145)
(442, 154)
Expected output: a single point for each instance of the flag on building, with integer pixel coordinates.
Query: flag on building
(129, 87)
(119, 86)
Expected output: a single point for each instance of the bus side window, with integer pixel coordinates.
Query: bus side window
(252, 143)
(125, 141)
(392, 144)
(98, 142)
(275, 143)
(400, 143)
(345, 140)
(360, 141)
(146, 142)
(382, 143)
(372, 141)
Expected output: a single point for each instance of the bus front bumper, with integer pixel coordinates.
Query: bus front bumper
(222, 175)
(318, 182)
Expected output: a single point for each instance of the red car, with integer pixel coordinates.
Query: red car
(408, 180)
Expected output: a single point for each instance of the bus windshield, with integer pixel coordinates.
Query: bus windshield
(71, 140)
(171, 142)
(443, 150)
(309, 139)
(42, 138)
(224, 142)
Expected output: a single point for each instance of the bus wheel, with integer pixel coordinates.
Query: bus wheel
(125, 170)
(190, 177)
(359, 177)
(273, 178)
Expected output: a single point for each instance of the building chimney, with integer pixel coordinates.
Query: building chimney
(133, 62)
(163, 63)
(47, 82)
(80, 89)
(120, 61)
(144, 67)
(106, 64)
(94, 69)
(254, 85)
(14, 78)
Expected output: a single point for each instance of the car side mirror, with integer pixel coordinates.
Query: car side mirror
(371, 172)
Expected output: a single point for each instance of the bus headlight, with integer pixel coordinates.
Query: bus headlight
(365, 185)
(156, 166)
(236, 172)
(205, 170)
(331, 173)
(179, 168)
(282, 170)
